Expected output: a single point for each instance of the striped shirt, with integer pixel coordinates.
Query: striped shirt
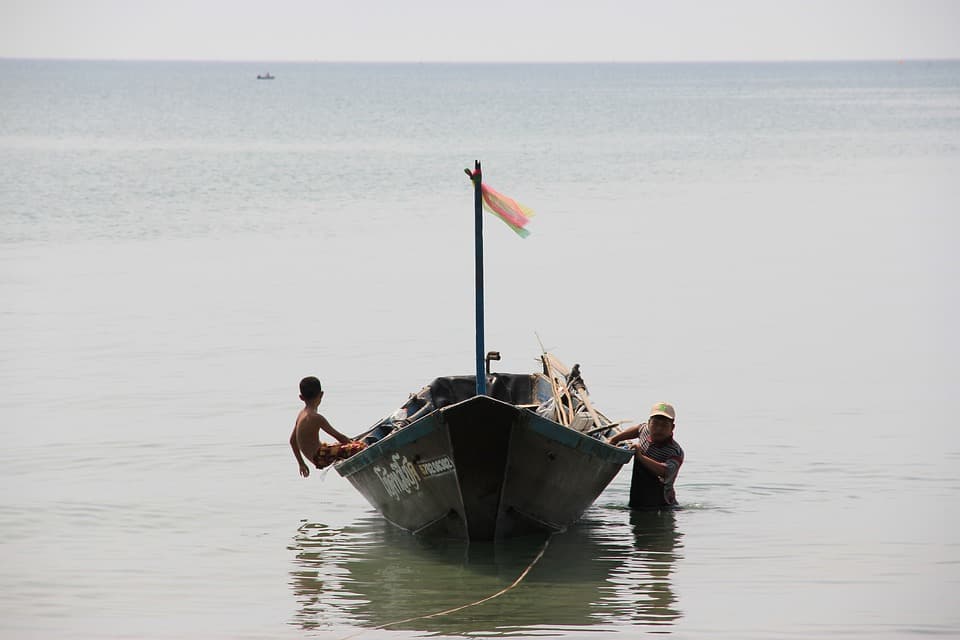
(646, 489)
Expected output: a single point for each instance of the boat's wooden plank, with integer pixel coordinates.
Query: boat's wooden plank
(557, 365)
(562, 416)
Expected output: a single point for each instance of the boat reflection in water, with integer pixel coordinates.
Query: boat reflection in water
(601, 574)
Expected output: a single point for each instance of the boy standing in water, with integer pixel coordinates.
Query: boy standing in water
(657, 461)
(306, 432)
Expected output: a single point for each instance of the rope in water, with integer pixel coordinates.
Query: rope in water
(463, 606)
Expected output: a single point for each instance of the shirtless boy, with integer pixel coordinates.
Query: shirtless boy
(306, 432)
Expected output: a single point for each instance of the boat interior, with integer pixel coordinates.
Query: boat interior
(558, 394)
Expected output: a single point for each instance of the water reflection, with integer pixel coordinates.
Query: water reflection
(657, 543)
(602, 573)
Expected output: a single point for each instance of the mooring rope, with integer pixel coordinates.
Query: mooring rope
(463, 606)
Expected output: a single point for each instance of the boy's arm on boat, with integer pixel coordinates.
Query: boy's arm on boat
(627, 434)
(659, 469)
(326, 426)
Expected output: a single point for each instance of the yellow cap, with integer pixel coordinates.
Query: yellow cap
(663, 409)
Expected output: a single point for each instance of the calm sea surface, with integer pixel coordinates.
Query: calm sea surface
(771, 247)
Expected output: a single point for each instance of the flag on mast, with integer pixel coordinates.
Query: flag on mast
(515, 215)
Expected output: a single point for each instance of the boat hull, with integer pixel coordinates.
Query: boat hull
(483, 469)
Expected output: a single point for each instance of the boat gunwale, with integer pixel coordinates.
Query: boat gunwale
(555, 431)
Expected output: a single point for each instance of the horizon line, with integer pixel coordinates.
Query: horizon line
(476, 62)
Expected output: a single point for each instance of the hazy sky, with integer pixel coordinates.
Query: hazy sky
(490, 30)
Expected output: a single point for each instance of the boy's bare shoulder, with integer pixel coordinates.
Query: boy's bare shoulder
(304, 418)
(308, 420)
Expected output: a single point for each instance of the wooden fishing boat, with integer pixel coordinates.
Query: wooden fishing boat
(489, 456)
(527, 457)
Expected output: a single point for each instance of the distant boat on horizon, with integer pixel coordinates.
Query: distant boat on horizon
(265, 76)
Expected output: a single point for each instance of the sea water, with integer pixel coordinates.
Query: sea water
(771, 247)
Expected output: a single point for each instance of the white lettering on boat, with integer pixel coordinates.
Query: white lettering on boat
(435, 467)
(401, 476)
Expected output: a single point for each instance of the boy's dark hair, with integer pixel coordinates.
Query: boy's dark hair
(310, 388)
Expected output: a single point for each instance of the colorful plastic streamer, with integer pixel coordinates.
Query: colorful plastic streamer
(514, 214)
